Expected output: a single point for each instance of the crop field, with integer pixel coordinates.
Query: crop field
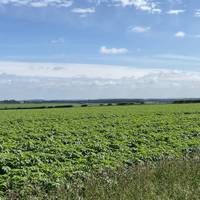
(43, 150)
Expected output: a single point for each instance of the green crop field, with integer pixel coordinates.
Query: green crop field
(43, 150)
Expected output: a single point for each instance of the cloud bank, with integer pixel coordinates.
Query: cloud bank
(38, 3)
(144, 5)
(76, 81)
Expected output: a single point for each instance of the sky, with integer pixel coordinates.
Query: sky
(90, 49)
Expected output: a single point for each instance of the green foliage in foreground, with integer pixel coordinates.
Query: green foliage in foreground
(41, 150)
(163, 180)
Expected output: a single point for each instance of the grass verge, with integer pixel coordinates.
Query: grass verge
(163, 180)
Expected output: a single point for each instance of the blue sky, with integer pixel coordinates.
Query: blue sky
(102, 41)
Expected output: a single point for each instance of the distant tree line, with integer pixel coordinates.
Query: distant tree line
(101, 102)
(36, 107)
(11, 101)
(130, 103)
(187, 101)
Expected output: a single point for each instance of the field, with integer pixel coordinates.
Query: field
(45, 150)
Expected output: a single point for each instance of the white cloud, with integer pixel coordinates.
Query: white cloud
(140, 29)
(180, 34)
(58, 41)
(76, 81)
(109, 51)
(145, 5)
(38, 3)
(197, 13)
(83, 10)
(175, 12)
